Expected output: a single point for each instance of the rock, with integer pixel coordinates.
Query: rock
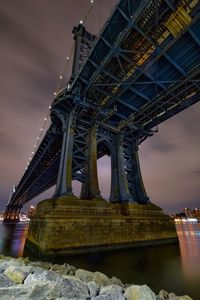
(39, 291)
(11, 262)
(163, 294)
(11, 298)
(101, 278)
(63, 269)
(110, 289)
(116, 281)
(17, 273)
(84, 275)
(98, 277)
(66, 298)
(110, 296)
(93, 288)
(185, 297)
(69, 286)
(171, 295)
(5, 281)
(44, 290)
(41, 276)
(3, 266)
(139, 292)
(42, 264)
(73, 287)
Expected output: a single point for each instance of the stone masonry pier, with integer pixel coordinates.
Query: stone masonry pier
(68, 225)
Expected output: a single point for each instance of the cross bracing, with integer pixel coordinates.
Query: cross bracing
(142, 69)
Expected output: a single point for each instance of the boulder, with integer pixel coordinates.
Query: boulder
(110, 296)
(39, 291)
(69, 286)
(185, 297)
(93, 288)
(84, 275)
(5, 281)
(12, 298)
(116, 281)
(17, 274)
(171, 295)
(101, 279)
(163, 294)
(44, 290)
(139, 292)
(41, 264)
(63, 269)
(73, 287)
(40, 276)
(110, 289)
(10, 263)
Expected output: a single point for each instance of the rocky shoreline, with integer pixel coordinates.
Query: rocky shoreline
(22, 279)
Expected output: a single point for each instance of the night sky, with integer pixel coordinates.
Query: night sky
(35, 40)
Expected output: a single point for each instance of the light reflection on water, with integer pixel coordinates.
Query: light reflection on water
(12, 239)
(189, 241)
(170, 267)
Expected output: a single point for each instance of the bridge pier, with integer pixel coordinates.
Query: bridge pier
(64, 225)
(68, 226)
(12, 214)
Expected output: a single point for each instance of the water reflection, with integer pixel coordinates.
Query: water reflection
(167, 267)
(12, 238)
(189, 240)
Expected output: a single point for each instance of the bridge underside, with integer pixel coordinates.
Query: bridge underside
(142, 69)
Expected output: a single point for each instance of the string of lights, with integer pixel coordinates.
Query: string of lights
(58, 86)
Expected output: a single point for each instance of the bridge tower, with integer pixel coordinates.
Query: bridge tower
(12, 211)
(90, 220)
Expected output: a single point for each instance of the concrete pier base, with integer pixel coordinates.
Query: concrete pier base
(68, 225)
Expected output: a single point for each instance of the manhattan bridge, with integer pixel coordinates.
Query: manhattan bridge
(140, 70)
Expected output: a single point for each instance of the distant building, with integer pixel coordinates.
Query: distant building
(188, 213)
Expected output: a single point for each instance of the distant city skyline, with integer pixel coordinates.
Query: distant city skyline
(35, 41)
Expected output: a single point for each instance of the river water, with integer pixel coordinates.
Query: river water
(171, 267)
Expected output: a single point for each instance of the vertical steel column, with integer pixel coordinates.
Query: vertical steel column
(64, 180)
(114, 190)
(140, 192)
(91, 189)
(78, 32)
(124, 193)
